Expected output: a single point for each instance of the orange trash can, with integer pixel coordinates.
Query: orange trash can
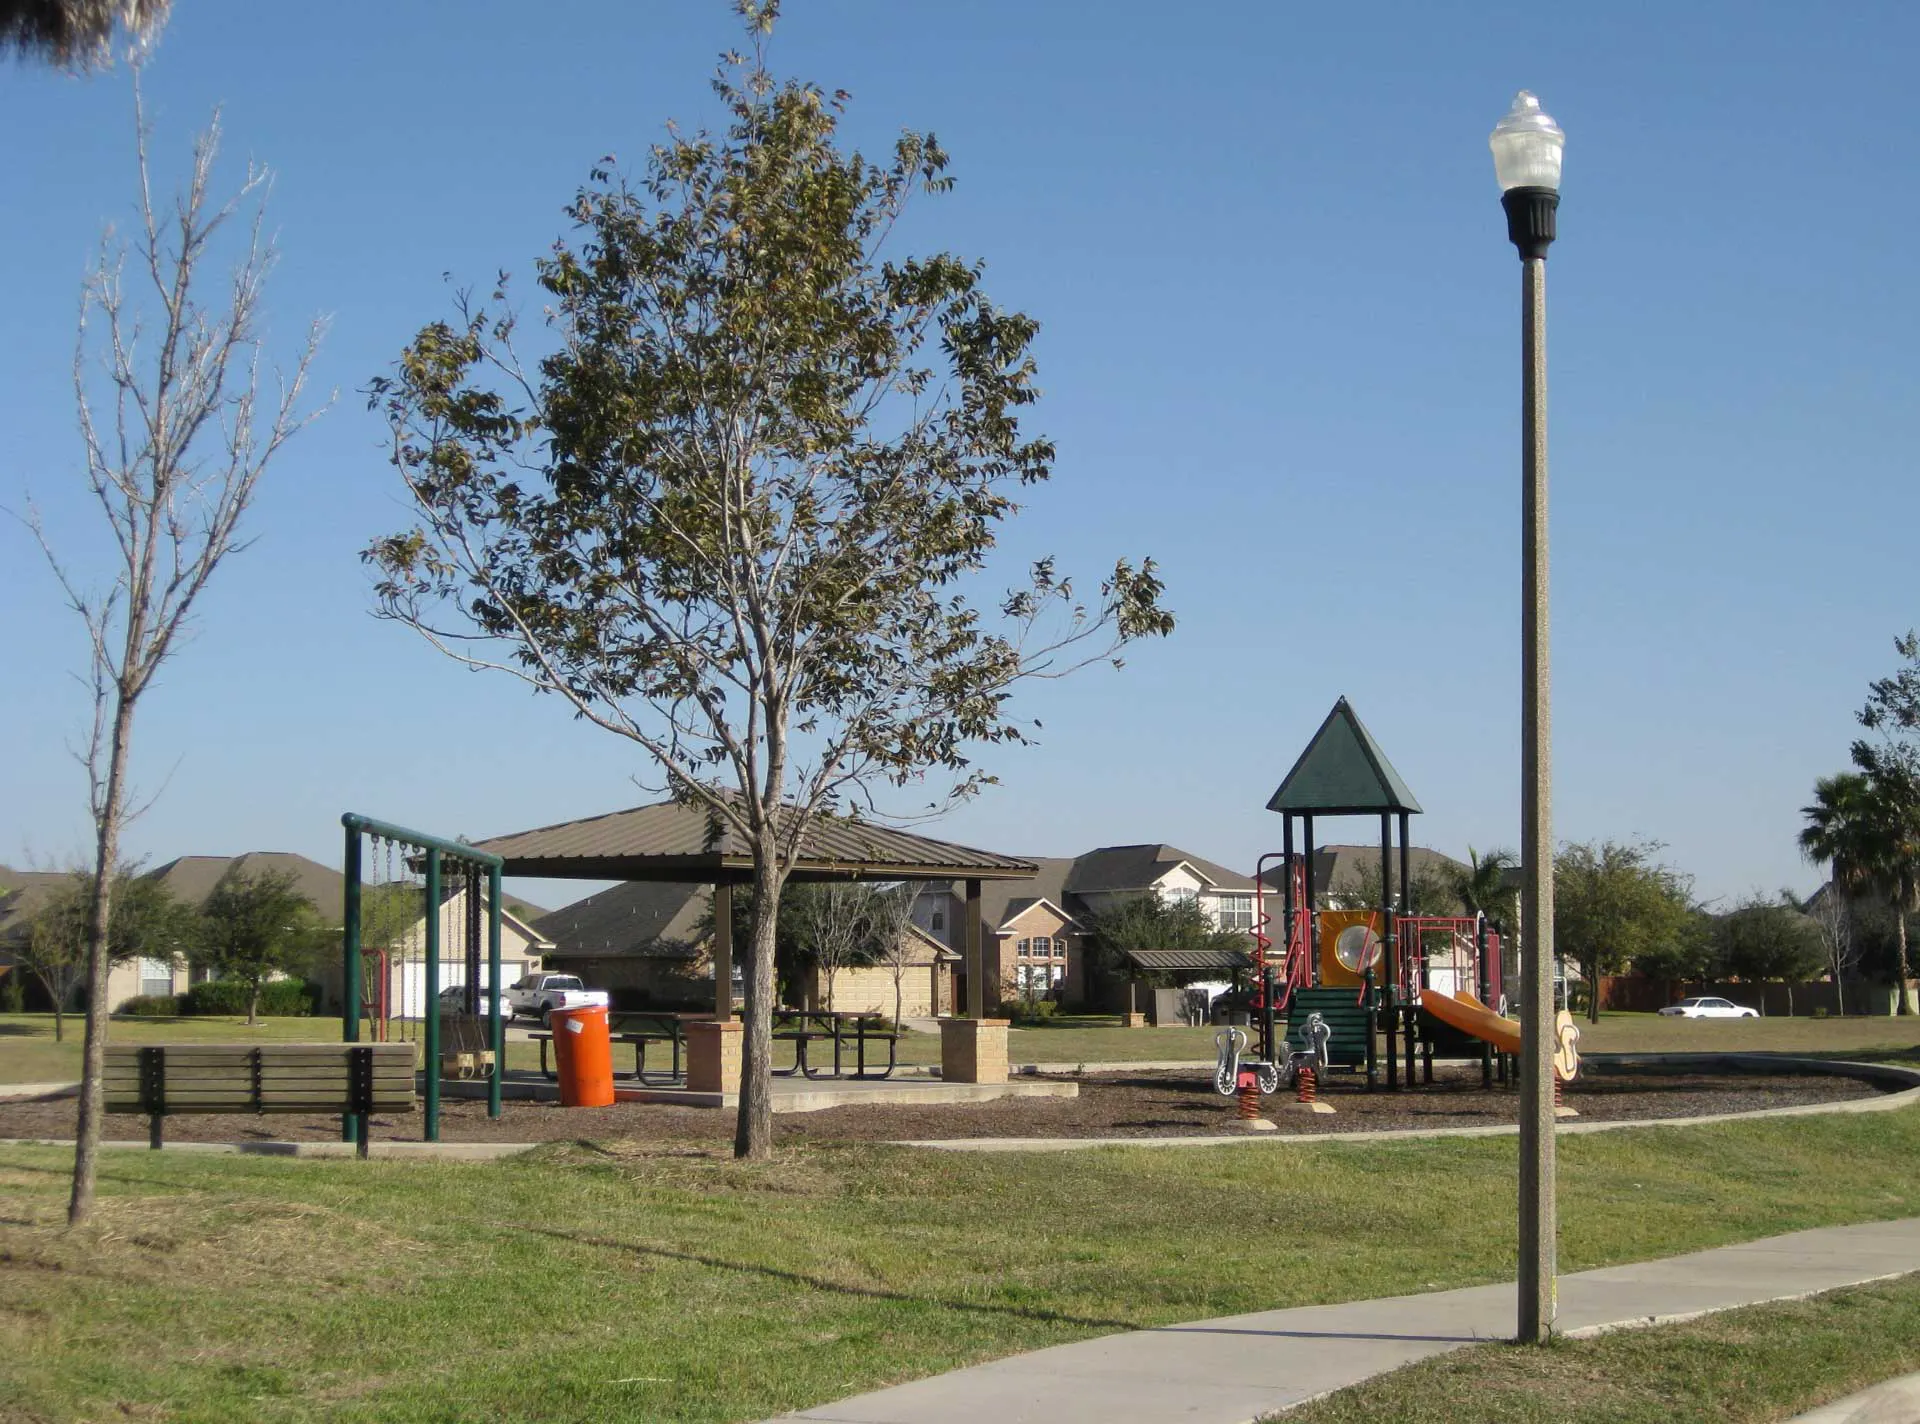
(583, 1053)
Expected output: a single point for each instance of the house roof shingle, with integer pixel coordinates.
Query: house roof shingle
(657, 916)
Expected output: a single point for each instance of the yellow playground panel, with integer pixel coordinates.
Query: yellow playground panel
(1349, 945)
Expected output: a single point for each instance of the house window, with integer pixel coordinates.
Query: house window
(1034, 980)
(939, 920)
(156, 976)
(1179, 895)
(1236, 912)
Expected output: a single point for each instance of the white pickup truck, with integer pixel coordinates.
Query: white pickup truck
(537, 995)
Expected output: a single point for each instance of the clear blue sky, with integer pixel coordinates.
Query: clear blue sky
(1280, 346)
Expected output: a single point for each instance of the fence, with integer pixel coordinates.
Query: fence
(1632, 994)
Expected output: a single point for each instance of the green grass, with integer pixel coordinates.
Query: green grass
(1767, 1362)
(592, 1281)
(28, 1053)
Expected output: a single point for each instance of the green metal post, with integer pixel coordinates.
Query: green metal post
(350, 967)
(496, 1031)
(432, 1016)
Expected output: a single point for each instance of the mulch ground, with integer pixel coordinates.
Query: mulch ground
(1157, 1104)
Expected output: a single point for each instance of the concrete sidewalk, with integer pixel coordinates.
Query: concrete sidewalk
(1236, 1369)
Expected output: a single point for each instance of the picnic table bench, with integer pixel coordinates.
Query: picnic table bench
(801, 1027)
(171, 1078)
(639, 1030)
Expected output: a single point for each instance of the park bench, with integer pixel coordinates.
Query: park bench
(172, 1078)
(638, 1031)
(801, 1027)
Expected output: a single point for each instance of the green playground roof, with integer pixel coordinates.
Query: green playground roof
(1342, 772)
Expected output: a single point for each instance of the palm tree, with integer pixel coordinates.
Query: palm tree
(1866, 825)
(76, 34)
(1486, 885)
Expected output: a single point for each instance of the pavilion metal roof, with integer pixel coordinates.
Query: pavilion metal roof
(1342, 772)
(1190, 958)
(671, 841)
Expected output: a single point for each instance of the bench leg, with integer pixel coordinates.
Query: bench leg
(154, 1130)
(360, 1134)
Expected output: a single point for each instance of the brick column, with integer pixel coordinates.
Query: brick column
(713, 1055)
(973, 1050)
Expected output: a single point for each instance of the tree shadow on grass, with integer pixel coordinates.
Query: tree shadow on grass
(820, 1283)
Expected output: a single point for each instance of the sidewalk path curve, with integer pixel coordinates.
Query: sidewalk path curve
(1236, 1369)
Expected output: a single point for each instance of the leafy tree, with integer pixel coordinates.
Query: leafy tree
(740, 514)
(1615, 904)
(77, 34)
(1150, 922)
(147, 923)
(1430, 891)
(254, 927)
(1762, 939)
(1487, 885)
(1866, 825)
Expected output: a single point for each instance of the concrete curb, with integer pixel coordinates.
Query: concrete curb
(1895, 1402)
(21, 1092)
(1756, 1062)
(415, 1151)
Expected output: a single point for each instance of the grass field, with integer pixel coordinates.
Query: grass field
(610, 1280)
(1765, 1363)
(28, 1053)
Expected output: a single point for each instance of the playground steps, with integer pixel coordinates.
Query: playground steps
(1345, 1016)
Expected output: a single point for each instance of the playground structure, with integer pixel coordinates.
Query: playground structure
(1344, 980)
(443, 894)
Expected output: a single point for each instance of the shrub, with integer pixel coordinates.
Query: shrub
(279, 998)
(1020, 1011)
(13, 993)
(149, 1006)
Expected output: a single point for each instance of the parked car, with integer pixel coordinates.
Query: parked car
(1708, 1008)
(534, 996)
(453, 1000)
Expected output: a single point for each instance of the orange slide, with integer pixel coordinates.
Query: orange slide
(1470, 1016)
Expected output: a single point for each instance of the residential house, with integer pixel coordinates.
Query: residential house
(1037, 930)
(647, 942)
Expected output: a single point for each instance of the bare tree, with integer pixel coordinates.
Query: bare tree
(1832, 911)
(77, 34)
(832, 922)
(892, 920)
(177, 436)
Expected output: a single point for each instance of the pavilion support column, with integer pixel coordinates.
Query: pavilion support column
(977, 1000)
(723, 951)
(974, 1049)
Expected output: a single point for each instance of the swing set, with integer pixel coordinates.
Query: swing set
(392, 959)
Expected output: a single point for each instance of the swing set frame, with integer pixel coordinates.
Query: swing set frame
(436, 852)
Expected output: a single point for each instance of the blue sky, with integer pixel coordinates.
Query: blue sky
(1280, 349)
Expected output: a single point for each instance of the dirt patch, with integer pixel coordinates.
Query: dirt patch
(1140, 1104)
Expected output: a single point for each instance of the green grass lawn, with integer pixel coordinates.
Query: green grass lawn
(28, 1053)
(1764, 1363)
(616, 1280)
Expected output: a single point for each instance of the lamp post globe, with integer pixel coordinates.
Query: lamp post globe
(1527, 146)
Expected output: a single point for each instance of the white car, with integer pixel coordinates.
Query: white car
(1708, 1008)
(537, 995)
(453, 1000)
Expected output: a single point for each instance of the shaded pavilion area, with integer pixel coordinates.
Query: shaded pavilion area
(683, 844)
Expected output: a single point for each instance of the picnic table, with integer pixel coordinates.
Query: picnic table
(802, 1027)
(638, 1030)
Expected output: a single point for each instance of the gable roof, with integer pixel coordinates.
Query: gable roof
(1342, 772)
(1135, 867)
(655, 918)
(1018, 907)
(22, 893)
(190, 879)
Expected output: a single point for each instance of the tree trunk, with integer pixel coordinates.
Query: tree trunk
(253, 1006)
(1900, 962)
(1593, 990)
(59, 1020)
(93, 1056)
(753, 1130)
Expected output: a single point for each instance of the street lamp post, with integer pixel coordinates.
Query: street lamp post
(1527, 146)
